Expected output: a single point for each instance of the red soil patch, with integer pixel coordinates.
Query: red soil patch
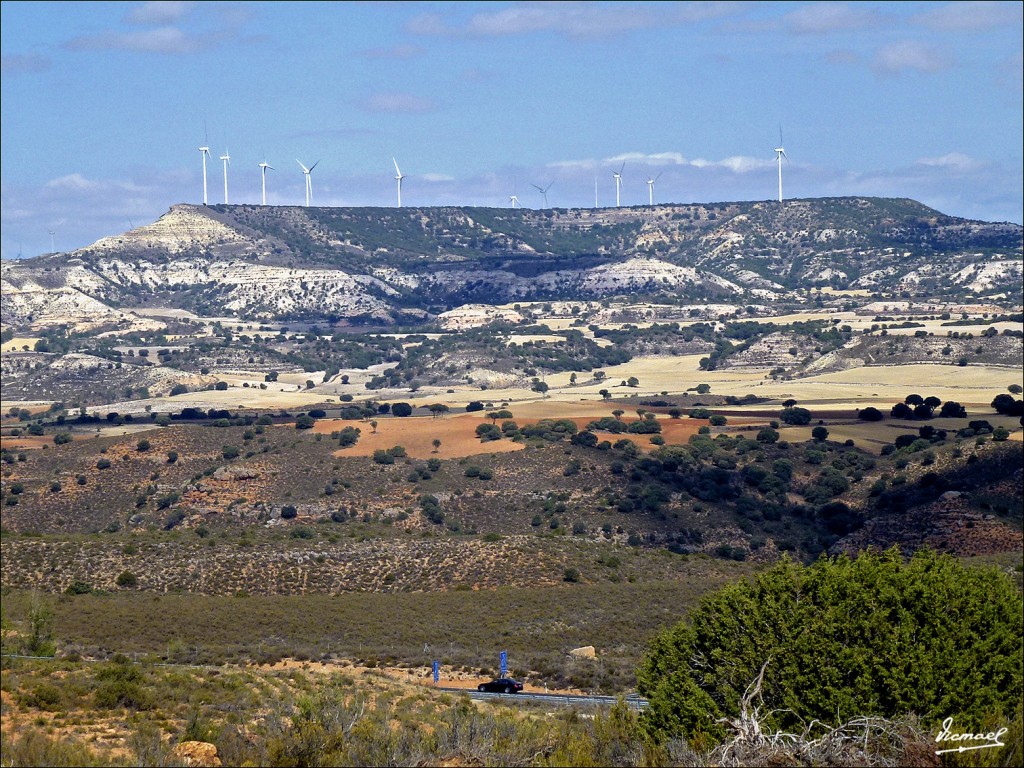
(34, 441)
(458, 434)
(417, 433)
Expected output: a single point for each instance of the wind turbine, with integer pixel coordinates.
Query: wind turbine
(227, 161)
(309, 179)
(779, 154)
(543, 191)
(650, 187)
(618, 182)
(399, 176)
(263, 169)
(205, 151)
(514, 199)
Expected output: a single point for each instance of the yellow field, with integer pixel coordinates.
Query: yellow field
(16, 344)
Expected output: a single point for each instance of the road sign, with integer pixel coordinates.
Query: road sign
(437, 671)
(504, 663)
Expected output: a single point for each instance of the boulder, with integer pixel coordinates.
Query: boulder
(586, 652)
(201, 754)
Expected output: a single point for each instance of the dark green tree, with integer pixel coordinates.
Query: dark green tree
(843, 638)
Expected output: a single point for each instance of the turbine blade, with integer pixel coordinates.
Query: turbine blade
(314, 165)
(304, 168)
(393, 160)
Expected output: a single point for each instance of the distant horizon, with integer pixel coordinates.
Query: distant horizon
(107, 104)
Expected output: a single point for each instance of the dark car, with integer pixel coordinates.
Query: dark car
(501, 685)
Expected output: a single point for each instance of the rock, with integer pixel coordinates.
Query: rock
(197, 753)
(586, 652)
(229, 474)
(951, 495)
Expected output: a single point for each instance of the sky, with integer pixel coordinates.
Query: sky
(104, 106)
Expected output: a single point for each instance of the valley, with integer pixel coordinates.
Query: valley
(368, 437)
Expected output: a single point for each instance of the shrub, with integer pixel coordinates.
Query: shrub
(796, 416)
(62, 438)
(870, 414)
(127, 580)
(288, 512)
(143, 445)
(348, 436)
(305, 421)
(103, 464)
(172, 457)
(401, 409)
(382, 456)
(230, 452)
(833, 642)
(571, 575)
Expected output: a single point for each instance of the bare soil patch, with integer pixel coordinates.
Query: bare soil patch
(416, 434)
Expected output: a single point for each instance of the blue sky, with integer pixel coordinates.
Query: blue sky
(104, 105)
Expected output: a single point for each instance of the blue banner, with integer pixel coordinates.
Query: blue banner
(504, 663)
(437, 671)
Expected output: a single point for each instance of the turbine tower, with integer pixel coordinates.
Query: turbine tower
(650, 187)
(543, 191)
(779, 154)
(618, 182)
(514, 199)
(227, 161)
(309, 179)
(204, 151)
(53, 248)
(398, 177)
(263, 168)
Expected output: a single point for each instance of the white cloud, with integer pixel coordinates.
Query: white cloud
(972, 16)
(903, 55)
(393, 52)
(15, 64)
(586, 19)
(659, 158)
(437, 177)
(569, 165)
(158, 12)
(73, 181)
(956, 161)
(397, 102)
(826, 18)
(842, 56)
(736, 164)
(161, 40)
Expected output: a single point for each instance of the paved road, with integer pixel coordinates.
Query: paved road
(554, 699)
